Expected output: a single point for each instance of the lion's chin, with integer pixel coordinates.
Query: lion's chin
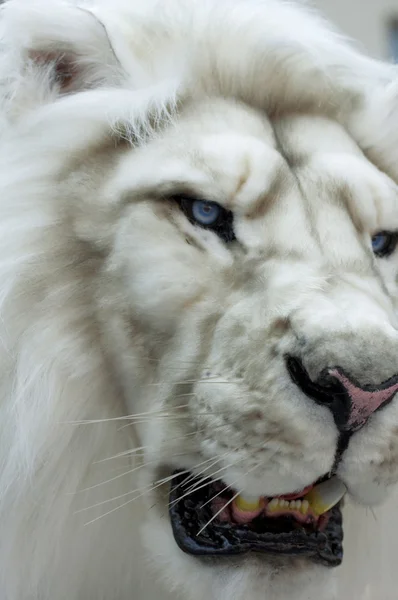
(208, 519)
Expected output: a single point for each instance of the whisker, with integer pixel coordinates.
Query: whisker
(148, 489)
(111, 511)
(122, 454)
(208, 482)
(213, 462)
(159, 417)
(92, 487)
(159, 481)
(163, 413)
(150, 413)
(183, 437)
(170, 368)
(137, 452)
(225, 505)
(189, 381)
(168, 417)
(196, 475)
(217, 513)
(197, 483)
(227, 487)
(117, 508)
(188, 362)
(211, 476)
(174, 502)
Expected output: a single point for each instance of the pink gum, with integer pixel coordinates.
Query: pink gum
(243, 516)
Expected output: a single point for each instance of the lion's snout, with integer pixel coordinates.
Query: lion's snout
(350, 403)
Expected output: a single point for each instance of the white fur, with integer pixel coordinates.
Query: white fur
(106, 310)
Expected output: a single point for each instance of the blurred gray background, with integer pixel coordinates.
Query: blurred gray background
(373, 23)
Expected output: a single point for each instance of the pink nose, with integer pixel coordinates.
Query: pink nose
(364, 401)
(350, 404)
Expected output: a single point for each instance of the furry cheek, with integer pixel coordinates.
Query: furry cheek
(163, 279)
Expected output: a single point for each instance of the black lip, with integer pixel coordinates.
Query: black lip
(188, 515)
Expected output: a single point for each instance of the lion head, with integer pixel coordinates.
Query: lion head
(199, 332)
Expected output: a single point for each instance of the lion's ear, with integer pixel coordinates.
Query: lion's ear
(49, 48)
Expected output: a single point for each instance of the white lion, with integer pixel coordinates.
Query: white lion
(198, 225)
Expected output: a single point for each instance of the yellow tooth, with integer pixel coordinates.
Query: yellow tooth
(304, 506)
(325, 495)
(248, 503)
(273, 505)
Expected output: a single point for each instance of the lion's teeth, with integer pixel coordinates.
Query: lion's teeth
(320, 499)
(304, 506)
(248, 503)
(325, 495)
(274, 503)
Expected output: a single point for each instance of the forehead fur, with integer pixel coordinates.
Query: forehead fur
(286, 59)
(227, 152)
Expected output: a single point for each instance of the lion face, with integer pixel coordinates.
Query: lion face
(247, 302)
(221, 282)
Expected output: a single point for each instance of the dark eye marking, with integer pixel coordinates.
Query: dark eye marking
(384, 243)
(208, 215)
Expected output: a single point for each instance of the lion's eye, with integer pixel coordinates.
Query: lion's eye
(384, 243)
(205, 213)
(208, 215)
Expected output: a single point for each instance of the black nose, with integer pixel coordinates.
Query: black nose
(350, 404)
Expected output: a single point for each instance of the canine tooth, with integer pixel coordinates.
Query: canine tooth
(298, 504)
(248, 503)
(293, 504)
(325, 495)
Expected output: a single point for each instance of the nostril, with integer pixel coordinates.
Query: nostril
(327, 391)
(321, 393)
(350, 404)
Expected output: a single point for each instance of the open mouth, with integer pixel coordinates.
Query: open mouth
(212, 520)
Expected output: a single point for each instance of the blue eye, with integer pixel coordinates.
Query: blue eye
(384, 243)
(205, 213)
(209, 215)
